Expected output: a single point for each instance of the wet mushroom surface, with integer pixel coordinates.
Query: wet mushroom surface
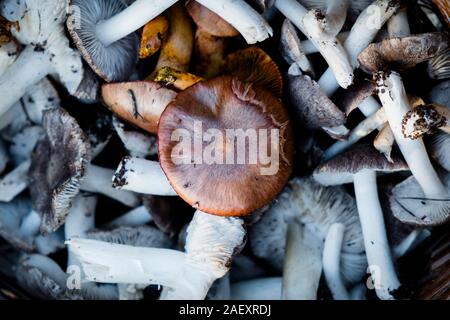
(224, 149)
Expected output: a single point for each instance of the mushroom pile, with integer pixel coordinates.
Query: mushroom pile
(224, 149)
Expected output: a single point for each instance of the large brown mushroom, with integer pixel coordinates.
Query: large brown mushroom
(217, 177)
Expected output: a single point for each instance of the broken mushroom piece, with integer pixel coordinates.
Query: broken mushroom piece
(47, 52)
(253, 65)
(359, 165)
(57, 168)
(142, 176)
(140, 103)
(425, 118)
(210, 245)
(384, 141)
(214, 116)
(393, 97)
(179, 80)
(322, 28)
(402, 53)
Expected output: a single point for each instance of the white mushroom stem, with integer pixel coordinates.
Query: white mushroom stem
(366, 27)
(309, 47)
(335, 16)
(315, 29)
(210, 245)
(395, 102)
(302, 264)
(363, 129)
(142, 176)
(398, 25)
(374, 232)
(80, 220)
(409, 242)
(137, 144)
(14, 182)
(30, 225)
(250, 24)
(131, 19)
(358, 292)
(331, 260)
(133, 218)
(257, 289)
(98, 180)
(8, 53)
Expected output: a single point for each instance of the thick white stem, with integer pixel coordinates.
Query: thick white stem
(133, 218)
(98, 180)
(366, 27)
(398, 26)
(257, 289)
(142, 176)
(250, 24)
(395, 102)
(30, 225)
(331, 49)
(376, 243)
(302, 264)
(29, 68)
(331, 260)
(336, 16)
(130, 19)
(363, 129)
(309, 47)
(14, 182)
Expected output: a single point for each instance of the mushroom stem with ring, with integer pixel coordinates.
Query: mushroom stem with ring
(142, 176)
(312, 24)
(423, 119)
(393, 97)
(98, 180)
(302, 263)
(377, 246)
(129, 20)
(331, 260)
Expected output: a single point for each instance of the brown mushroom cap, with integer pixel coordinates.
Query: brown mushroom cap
(57, 168)
(255, 66)
(402, 53)
(140, 103)
(209, 21)
(225, 103)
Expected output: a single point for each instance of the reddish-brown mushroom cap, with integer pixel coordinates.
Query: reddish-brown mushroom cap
(140, 103)
(255, 66)
(210, 22)
(225, 103)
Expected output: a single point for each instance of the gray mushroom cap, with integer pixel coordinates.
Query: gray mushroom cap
(11, 215)
(411, 206)
(350, 99)
(402, 53)
(114, 62)
(316, 207)
(340, 170)
(58, 166)
(143, 236)
(313, 108)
